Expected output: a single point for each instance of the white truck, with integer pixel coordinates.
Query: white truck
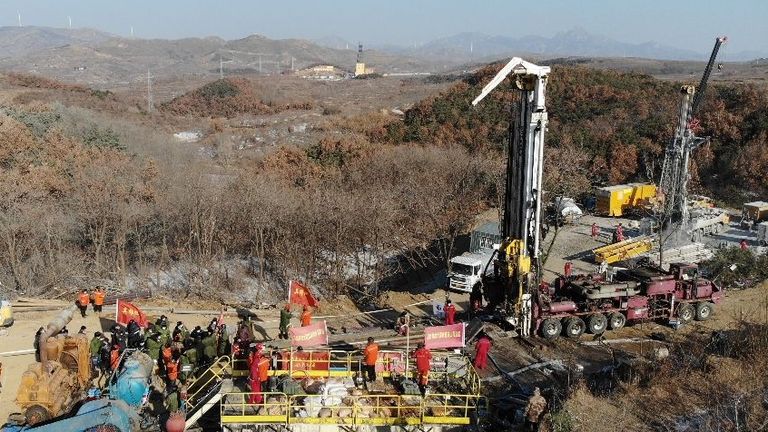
(467, 270)
(707, 221)
(762, 233)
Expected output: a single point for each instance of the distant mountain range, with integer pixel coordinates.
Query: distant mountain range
(101, 59)
(466, 47)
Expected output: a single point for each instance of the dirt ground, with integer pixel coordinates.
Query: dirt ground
(572, 244)
(340, 313)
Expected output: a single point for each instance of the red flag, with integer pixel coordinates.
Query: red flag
(450, 336)
(127, 312)
(298, 293)
(309, 336)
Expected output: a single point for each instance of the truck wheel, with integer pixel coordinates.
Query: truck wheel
(574, 327)
(597, 323)
(36, 414)
(704, 310)
(551, 328)
(685, 313)
(616, 320)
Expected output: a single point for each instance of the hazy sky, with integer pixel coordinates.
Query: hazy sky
(689, 24)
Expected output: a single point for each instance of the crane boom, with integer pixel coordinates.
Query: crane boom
(517, 267)
(719, 41)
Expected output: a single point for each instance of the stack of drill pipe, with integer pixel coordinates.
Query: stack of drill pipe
(23, 304)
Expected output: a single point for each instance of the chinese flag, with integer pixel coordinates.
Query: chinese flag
(298, 293)
(127, 312)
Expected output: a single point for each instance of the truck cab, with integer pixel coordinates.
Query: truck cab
(467, 270)
(762, 233)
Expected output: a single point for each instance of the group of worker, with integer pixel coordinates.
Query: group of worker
(96, 298)
(618, 233)
(285, 319)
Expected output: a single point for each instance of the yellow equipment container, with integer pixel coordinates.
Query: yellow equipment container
(615, 200)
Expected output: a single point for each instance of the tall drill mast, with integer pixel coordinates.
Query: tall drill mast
(674, 173)
(517, 268)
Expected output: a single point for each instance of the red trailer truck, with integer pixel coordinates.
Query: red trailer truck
(588, 303)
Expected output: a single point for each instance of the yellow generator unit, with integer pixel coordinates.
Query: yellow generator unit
(51, 388)
(618, 199)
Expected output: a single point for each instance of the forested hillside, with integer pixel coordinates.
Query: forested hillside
(90, 188)
(608, 127)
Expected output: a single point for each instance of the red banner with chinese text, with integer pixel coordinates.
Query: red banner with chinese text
(450, 336)
(391, 361)
(309, 336)
(306, 360)
(298, 293)
(128, 311)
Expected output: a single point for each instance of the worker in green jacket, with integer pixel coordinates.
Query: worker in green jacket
(153, 346)
(285, 321)
(95, 349)
(209, 347)
(165, 334)
(185, 367)
(172, 401)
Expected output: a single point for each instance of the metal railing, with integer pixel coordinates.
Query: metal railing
(336, 363)
(372, 410)
(236, 408)
(200, 386)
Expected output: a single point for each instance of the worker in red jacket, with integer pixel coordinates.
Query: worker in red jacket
(619, 233)
(450, 312)
(482, 347)
(743, 244)
(595, 231)
(306, 317)
(423, 359)
(254, 381)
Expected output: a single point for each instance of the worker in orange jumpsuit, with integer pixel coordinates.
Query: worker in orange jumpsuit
(595, 231)
(263, 367)
(254, 381)
(370, 355)
(98, 299)
(83, 299)
(482, 347)
(423, 359)
(306, 316)
(167, 352)
(172, 369)
(450, 312)
(114, 357)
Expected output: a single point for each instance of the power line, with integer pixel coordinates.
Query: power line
(149, 91)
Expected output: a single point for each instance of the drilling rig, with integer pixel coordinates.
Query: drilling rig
(517, 266)
(675, 171)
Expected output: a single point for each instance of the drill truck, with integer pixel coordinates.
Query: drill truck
(517, 267)
(582, 303)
